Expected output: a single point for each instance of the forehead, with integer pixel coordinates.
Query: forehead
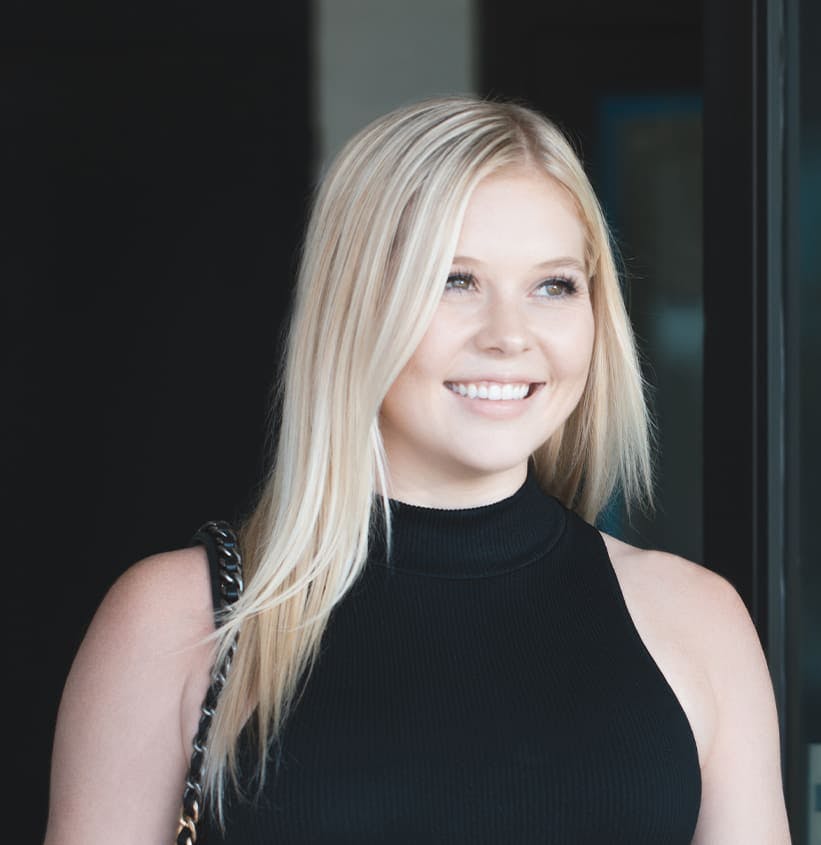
(521, 212)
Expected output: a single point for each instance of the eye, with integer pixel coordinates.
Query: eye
(558, 286)
(460, 281)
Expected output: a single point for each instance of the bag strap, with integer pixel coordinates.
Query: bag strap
(230, 589)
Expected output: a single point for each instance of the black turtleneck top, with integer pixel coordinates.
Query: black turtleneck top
(484, 685)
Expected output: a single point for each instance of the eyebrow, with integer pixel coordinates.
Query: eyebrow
(552, 264)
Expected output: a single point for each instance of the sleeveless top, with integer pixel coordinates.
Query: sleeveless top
(485, 684)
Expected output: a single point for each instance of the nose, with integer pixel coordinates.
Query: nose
(503, 328)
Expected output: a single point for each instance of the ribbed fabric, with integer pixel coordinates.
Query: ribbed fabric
(484, 685)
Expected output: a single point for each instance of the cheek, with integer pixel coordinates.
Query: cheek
(587, 340)
(429, 363)
(573, 345)
(406, 395)
(396, 400)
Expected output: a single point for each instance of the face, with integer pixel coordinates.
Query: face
(505, 360)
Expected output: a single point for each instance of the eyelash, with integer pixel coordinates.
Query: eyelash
(567, 283)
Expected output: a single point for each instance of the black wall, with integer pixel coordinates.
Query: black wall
(562, 58)
(156, 171)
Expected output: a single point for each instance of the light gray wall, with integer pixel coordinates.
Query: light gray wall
(373, 55)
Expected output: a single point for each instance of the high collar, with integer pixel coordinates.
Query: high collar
(471, 542)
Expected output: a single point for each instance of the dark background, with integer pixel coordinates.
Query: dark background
(155, 180)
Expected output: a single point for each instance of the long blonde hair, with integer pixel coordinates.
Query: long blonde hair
(379, 243)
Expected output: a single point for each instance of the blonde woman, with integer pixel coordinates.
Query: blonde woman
(436, 644)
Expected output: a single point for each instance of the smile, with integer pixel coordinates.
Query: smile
(493, 391)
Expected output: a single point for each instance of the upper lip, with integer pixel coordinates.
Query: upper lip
(508, 379)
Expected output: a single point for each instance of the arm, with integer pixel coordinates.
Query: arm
(700, 634)
(129, 707)
(742, 795)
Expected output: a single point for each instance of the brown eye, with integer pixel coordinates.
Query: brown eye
(558, 287)
(459, 281)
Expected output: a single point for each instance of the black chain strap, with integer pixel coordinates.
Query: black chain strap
(231, 586)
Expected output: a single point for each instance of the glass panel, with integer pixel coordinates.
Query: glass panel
(650, 165)
(809, 570)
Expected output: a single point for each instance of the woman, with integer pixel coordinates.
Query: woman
(435, 645)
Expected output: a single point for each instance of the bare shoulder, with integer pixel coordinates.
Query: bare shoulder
(156, 618)
(157, 610)
(655, 566)
(702, 604)
(697, 628)
(170, 588)
(130, 702)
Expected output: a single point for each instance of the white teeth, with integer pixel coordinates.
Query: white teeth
(494, 392)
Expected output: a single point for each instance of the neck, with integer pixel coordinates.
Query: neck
(468, 490)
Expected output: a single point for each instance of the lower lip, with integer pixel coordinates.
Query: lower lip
(498, 409)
